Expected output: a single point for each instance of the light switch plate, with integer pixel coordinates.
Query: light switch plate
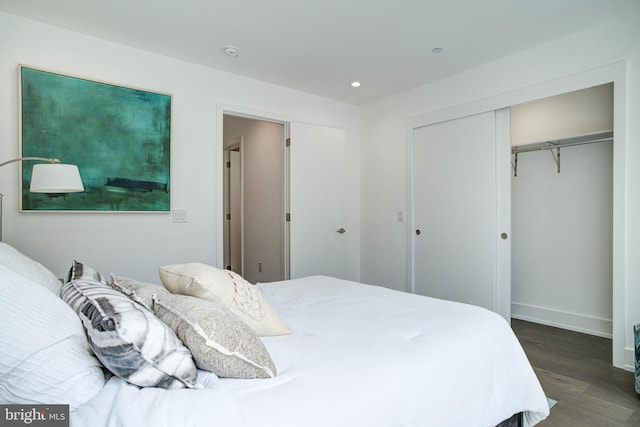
(180, 215)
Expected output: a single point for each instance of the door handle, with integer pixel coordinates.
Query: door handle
(341, 230)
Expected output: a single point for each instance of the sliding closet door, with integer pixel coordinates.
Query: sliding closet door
(318, 201)
(456, 209)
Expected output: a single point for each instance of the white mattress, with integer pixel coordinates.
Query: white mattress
(360, 355)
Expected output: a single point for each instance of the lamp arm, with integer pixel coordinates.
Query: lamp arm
(42, 159)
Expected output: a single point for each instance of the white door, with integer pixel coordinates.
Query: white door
(317, 201)
(456, 180)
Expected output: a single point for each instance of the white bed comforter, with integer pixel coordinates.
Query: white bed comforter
(360, 355)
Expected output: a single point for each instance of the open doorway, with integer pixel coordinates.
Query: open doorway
(562, 211)
(254, 198)
(293, 197)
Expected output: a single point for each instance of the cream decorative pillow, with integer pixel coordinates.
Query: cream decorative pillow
(218, 340)
(226, 288)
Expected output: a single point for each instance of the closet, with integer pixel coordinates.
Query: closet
(562, 210)
(558, 247)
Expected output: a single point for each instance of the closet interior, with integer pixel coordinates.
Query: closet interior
(562, 210)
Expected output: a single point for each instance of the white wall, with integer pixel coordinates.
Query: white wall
(536, 73)
(562, 239)
(135, 244)
(576, 113)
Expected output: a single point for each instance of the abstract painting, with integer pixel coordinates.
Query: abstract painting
(119, 137)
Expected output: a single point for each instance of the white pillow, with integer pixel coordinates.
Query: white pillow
(44, 354)
(23, 265)
(228, 289)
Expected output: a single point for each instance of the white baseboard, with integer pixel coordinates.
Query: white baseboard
(629, 359)
(562, 319)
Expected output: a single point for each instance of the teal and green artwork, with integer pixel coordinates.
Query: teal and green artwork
(119, 137)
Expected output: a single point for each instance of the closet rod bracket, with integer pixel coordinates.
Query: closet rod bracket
(605, 136)
(556, 157)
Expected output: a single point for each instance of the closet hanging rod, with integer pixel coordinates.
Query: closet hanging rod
(565, 142)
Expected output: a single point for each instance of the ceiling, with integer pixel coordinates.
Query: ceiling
(321, 46)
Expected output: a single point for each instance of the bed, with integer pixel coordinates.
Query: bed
(352, 355)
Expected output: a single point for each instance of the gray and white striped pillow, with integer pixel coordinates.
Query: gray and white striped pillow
(80, 271)
(127, 338)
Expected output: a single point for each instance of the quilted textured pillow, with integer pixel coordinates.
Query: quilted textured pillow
(44, 354)
(219, 341)
(128, 339)
(140, 292)
(28, 268)
(226, 288)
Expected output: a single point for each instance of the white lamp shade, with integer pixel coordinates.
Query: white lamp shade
(55, 178)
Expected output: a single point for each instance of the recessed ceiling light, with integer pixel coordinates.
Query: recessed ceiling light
(232, 51)
(437, 50)
(355, 84)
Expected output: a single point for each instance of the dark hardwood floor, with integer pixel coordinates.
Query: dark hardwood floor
(575, 369)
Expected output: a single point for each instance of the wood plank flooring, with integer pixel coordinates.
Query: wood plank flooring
(575, 369)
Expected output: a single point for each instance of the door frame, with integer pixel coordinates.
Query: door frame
(253, 114)
(236, 144)
(622, 338)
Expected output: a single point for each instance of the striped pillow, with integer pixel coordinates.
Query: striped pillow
(80, 271)
(127, 338)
